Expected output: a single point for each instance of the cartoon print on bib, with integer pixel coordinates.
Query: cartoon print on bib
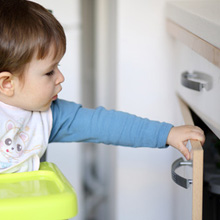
(13, 145)
(24, 138)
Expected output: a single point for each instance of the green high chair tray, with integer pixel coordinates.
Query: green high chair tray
(42, 195)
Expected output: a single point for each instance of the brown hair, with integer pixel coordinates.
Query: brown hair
(26, 28)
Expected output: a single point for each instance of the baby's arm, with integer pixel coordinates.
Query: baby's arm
(179, 136)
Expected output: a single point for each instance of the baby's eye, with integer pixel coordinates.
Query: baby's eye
(50, 73)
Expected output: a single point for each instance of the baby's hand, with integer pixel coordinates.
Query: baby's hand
(179, 136)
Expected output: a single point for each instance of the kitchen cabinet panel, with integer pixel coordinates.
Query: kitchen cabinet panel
(195, 29)
(196, 152)
(193, 32)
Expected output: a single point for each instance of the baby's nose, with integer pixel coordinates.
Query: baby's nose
(60, 78)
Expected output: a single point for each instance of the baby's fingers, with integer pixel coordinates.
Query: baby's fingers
(184, 150)
(199, 129)
(197, 135)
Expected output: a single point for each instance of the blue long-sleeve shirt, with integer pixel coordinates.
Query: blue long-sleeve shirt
(73, 123)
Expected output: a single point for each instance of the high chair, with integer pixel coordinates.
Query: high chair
(38, 195)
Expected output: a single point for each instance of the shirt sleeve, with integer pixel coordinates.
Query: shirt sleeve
(73, 123)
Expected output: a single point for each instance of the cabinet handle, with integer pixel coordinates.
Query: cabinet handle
(178, 179)
(196, 81)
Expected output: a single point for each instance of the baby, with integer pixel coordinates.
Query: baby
(32, 43)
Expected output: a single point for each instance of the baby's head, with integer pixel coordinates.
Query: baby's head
(32, 42)
(27, 28)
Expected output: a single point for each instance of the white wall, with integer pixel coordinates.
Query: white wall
(145, 88)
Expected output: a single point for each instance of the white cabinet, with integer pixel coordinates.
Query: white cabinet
(195, 27)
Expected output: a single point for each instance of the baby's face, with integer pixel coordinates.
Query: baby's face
(42, 83)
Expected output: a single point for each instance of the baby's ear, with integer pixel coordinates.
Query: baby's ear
(6, 83)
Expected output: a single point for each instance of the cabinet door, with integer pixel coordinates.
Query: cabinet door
(197, 166)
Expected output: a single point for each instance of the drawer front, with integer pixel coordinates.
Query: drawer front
(194, 192)
(206, 102)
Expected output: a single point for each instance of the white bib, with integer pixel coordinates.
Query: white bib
(24, 138)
